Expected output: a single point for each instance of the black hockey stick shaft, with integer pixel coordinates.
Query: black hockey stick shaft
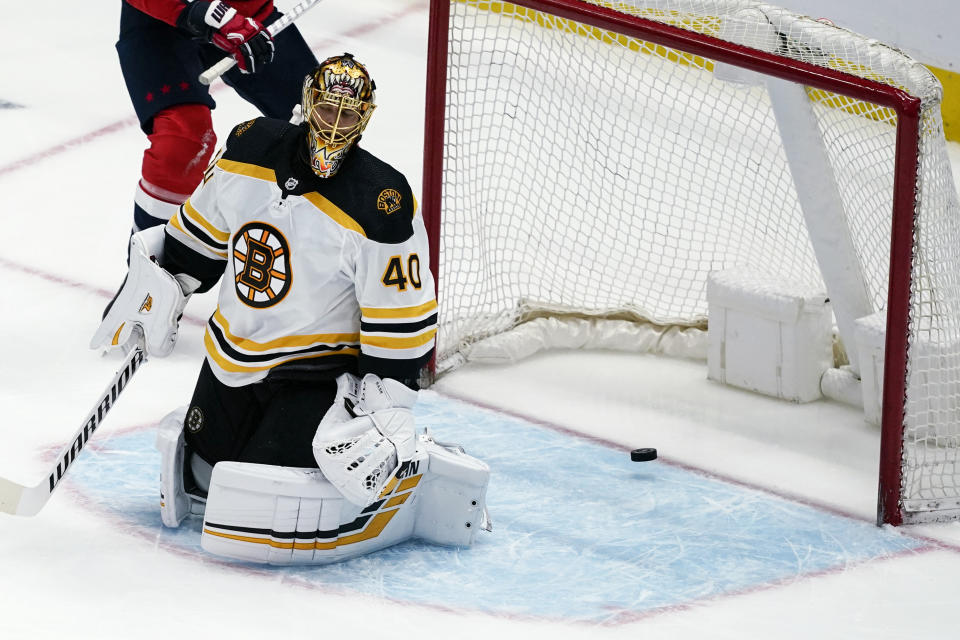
(20, 500)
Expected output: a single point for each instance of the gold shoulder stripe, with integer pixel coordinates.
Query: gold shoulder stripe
(195, 215)
(334, 212)
(246, 169)
(398, 343)
(285, 342)
(399, 312)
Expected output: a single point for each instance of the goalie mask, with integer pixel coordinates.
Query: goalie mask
(338, 100)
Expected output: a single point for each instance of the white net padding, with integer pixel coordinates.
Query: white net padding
(598, 175)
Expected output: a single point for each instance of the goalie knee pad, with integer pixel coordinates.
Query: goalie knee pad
(176, 503)
(288, 516)
(181, 144)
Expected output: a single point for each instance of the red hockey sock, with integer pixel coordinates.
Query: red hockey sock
(181, 145)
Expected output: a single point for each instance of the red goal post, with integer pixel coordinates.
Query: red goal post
(661, 25)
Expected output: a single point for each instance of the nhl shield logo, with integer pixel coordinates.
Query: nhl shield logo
(291, 184)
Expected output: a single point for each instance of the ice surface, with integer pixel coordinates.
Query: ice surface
(783, 548)
(608, 539)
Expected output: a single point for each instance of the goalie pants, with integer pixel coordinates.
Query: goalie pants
(270, 422)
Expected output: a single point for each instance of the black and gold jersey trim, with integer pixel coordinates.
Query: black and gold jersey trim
(200, 233)
(401, 333)
(398, 327)
(384, 313)
(239, 356)
(275, 357)
(334, 212)
(387, 341)
(342, 358)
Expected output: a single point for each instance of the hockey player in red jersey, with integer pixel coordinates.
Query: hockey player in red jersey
(163, 47)
(326, 315)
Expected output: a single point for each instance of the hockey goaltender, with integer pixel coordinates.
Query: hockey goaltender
(299, 445)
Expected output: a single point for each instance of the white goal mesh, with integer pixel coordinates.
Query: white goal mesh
(592, 173)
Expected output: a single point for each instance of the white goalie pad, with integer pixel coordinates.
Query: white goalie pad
(289, 516)
(452, 503)
(175, 503)
(150, 298)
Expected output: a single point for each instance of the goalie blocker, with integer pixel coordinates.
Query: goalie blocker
(295, 516)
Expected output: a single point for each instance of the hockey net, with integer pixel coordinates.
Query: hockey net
(600, 159)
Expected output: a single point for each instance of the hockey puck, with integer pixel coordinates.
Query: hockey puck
(643, 455)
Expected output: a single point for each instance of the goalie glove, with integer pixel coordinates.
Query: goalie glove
(150, 299)
(389, 403)
(250, 44)
(366, 435)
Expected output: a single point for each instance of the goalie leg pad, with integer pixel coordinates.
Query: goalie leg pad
(287, 516)
(175, 503)
(452, 500)
(292, 516)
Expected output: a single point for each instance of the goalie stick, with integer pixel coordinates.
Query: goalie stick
(228, 62)
(27, 501)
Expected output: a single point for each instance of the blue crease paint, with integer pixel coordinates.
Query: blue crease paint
(581, 533)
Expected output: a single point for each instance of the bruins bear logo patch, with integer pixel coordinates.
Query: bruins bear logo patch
(261, 262)
(388, 201)
(242, 128)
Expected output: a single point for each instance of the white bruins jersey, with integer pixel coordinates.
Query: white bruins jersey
(318, 276)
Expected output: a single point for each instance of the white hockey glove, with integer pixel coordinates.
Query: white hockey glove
(365, 435)
(150, 298)
(389, 403)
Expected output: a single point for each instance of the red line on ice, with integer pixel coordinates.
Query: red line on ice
(40, 156)
(75, 284)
